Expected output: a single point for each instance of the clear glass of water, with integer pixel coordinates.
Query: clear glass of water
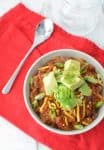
(80, 16)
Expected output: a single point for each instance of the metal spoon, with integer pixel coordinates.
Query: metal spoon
(43, 31)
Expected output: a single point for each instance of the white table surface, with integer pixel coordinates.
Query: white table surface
(11, 138)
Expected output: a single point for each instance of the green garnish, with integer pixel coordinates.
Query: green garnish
(65, 97)
(52, 113)
(59, 65)
(99, 104)
(34, 103)
(78, 126)
(57, 72)
(85, 89)
(82, 71)
(40, 96)
(58, 75)
(83, 68)
(31, 80)
(90, 79)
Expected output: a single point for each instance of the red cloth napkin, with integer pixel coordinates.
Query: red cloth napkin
(16, 34)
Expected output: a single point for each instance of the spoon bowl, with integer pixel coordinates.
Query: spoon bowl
(43, 31)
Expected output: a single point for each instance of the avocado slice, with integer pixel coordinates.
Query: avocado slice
(71, 75)
(72, 67)
(50, 83)
(72, 83)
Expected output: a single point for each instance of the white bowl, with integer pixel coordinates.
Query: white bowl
(40, 62)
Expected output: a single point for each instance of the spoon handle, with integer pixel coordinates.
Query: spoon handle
(10, 82)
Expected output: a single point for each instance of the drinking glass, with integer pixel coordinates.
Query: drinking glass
(80, 16)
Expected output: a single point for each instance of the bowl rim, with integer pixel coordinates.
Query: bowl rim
(32, 113)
